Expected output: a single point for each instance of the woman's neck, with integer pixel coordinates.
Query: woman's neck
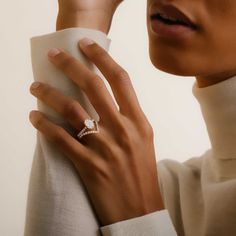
(205, 81)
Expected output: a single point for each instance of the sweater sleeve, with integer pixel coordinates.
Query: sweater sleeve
(57, 201)
(154, 224)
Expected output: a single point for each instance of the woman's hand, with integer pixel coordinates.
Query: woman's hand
(117, 165)
(94, 14)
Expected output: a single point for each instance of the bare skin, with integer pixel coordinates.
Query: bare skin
(211, 60)
(209, 53)
(78, 13)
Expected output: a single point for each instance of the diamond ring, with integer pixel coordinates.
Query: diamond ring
(91, 126)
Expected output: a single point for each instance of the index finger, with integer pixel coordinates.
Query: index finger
(116, 76)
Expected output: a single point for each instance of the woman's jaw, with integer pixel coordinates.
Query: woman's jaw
(208, 53)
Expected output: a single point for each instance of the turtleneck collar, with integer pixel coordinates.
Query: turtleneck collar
(218, 106)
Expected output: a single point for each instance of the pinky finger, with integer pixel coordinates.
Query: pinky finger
(72, 148)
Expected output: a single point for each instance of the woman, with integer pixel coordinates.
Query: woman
(130, 194)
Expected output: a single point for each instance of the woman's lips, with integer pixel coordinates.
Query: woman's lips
(179, 25)
(171, 31)
(170, 11)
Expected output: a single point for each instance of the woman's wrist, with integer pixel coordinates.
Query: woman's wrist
(91, 20)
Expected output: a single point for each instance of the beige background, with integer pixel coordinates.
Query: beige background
(167, 100)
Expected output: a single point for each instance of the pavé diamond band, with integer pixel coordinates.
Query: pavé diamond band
(91, 127)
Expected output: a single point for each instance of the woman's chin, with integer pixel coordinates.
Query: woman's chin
(171, 66)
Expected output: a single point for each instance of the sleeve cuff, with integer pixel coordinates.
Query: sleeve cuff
(45, 72)
(72, 36)
(154, 224)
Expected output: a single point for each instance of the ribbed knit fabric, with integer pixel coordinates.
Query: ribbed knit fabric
(200, 193)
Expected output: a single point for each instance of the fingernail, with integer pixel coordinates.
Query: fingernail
(86, 42)
(34, 85)
(53, 52)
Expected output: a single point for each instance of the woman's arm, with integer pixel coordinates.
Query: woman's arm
(91, 14)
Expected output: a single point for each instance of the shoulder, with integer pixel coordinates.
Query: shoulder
(172, 173)
(176, 180)
(174, 167)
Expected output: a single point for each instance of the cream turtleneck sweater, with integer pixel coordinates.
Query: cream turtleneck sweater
(199, 194)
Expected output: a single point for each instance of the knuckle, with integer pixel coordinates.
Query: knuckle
(70, 109)
(95, 83)
(147, 130)
(67, 63)
(122, 75)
